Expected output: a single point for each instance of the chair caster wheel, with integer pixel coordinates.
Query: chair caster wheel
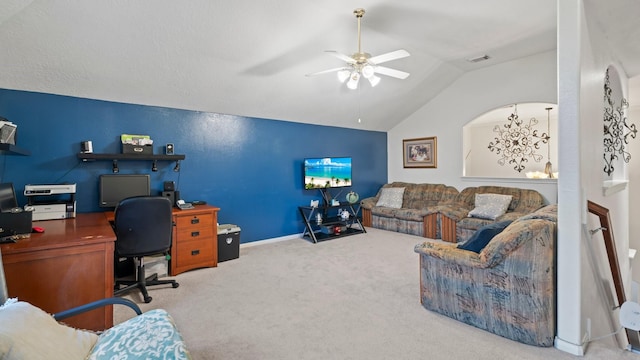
(148, 299)
(175, 285)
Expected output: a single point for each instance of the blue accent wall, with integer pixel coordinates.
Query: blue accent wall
(251, 168)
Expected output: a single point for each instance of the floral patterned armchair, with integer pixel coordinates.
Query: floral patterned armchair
(27, 332)
(508, 288)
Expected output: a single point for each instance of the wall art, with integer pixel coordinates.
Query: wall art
(420, 152)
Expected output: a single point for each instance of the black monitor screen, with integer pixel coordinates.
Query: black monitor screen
(115, 187)
(8, 199)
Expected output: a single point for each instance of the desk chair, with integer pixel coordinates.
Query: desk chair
(143, 227)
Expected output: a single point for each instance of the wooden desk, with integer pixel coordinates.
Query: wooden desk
(70, 264)
(195, 238)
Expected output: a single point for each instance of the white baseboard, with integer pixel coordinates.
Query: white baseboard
(573, 349)
(270, 241)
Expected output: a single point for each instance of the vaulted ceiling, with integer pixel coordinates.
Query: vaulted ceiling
(250, 57)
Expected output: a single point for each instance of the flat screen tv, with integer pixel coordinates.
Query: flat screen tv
(115, 187)
(327, 172)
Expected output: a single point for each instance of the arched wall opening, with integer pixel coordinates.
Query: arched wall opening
(512, 141)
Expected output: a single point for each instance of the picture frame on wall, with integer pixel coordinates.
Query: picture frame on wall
(420, 152)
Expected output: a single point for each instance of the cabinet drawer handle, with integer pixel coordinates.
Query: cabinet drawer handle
(195, 220)
(195, 252)
(195, 233)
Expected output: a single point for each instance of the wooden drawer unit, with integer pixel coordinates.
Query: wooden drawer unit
(195, 243)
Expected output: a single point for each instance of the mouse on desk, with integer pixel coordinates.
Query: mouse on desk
(38, 229)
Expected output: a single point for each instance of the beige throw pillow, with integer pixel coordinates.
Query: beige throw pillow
(27, 332)
(391, 197)
(490, 206)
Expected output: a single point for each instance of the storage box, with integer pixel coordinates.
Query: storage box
(330, 228)
(228, 242)
(137, 149)
(157, 264)
(136, 144)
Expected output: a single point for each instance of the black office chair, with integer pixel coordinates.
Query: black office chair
(143, 227)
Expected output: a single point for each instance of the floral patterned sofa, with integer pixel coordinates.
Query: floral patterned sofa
(415, 210)
(458, 226)
(438, 211)
(508, 288)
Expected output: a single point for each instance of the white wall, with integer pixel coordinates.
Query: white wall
(575, 81)
(595, 58)
(634, 186)
(531, 79)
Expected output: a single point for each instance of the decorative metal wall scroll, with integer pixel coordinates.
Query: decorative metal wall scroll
(616, 129)
(517, 141)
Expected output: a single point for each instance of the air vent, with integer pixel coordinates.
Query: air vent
(479, 59)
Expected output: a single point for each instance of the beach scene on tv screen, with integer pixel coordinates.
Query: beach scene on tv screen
(327, 172)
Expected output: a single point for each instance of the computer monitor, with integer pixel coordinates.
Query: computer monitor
(115, 187)
(8, 199)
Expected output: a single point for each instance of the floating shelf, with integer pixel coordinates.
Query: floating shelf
(10, 149)
(92, 156)
(611, 187)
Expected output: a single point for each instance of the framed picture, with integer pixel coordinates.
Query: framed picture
(420, 153)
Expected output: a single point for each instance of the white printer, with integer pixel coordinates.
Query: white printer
(54, 201)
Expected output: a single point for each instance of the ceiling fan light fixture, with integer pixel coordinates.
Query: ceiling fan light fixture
(368, 71)
(374, 80)
(343, 75)
(353, 82)
(362, 64)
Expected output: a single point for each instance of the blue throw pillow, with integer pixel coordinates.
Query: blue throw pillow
(481, 238)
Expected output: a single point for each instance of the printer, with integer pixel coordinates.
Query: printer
(51, 201)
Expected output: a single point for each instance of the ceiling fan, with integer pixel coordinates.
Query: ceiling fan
(362, 64)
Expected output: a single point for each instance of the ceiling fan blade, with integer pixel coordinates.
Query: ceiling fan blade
(340, 56)
(391, 72)
(327, 71)
(398, 54)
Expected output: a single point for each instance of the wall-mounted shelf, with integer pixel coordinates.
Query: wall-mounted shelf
(611, 187)
(92, 156)
(10, 149)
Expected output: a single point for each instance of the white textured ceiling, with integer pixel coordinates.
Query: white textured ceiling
(250, 57)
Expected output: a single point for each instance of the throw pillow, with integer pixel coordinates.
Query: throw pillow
(391, 197)
(481, 238)
(27, 332)
(490, 206)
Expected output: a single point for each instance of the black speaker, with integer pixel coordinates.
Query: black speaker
(169, 149)
(171, 195)
(169, 186)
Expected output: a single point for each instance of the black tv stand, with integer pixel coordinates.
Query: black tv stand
(332, 225)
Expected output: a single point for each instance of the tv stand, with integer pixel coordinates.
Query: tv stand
(332, 225)
(327, 197)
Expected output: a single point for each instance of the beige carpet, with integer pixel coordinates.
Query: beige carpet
(355, 297)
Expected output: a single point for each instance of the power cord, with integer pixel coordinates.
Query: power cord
(68, 171)
(604, 336)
